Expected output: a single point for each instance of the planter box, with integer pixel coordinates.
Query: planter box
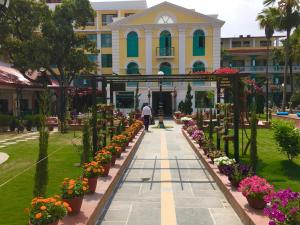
(93, 205)
(248, 215)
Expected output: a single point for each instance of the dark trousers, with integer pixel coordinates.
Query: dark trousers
(146, 121)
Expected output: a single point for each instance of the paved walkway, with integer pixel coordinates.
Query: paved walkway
(167, 184)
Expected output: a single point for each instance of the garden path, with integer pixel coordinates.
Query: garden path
(167, 184)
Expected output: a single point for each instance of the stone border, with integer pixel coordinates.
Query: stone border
(248, 215)
(94, 204)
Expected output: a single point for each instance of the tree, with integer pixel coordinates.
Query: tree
(266, 21)
(286, 19)
(137, 98)
(44, 38)
(188, 101)
(41, 172)
(86, 143)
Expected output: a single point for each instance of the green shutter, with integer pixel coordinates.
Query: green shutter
(199, 43)
(165, 43)
(132, 45)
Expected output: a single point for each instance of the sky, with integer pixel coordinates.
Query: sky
(239, 15)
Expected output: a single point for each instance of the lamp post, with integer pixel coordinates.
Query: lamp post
(3, 6)
(149, 95)
(160, 106)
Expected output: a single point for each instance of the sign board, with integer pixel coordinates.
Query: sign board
(120, 86)
(224, 82)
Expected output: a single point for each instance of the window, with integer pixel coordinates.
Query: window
(132, 68)
(132, 44)
(24, 105)
(246, 44)
(202, 100)
(128, 14)
(108, 18)
(199, 43)
(167, 69)
(125, 100)
(106, 40)
(92, 58)
(236, 44)
(3, 106)
(165, 20)
(106, 60)
(165, 43)
(198, 67)
(238, 63)
(264, 43)
(92, 37)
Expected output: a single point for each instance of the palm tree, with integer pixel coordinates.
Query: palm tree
(287, 20)
(266, 21)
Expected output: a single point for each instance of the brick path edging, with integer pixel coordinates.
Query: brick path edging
(94, 204)
(248, 215)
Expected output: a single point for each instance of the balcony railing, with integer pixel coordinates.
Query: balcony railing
(261, 69)
(165, 52)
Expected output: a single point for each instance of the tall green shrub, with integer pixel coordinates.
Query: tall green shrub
(287, 137)
(188, 109)
(41, 173)
(86, 143)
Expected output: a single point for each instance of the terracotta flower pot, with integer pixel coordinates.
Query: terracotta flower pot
(221, 169)
(53, 223)
(106, 168)
(92, 182)
(75, 204)
(256, 203)
(113, 160)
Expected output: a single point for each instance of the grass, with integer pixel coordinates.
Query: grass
(17, 194)
(273, 165)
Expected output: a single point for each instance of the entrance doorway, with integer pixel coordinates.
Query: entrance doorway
(167, 103)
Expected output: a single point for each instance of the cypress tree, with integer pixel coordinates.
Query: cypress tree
(188, 109)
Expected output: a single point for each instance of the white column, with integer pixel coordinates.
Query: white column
(253, 42)
(99, 47)
(216, 48)
(230, 43)
(148, 52)
(116, 51)
(181, 50)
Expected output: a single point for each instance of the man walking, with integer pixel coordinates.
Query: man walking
(146, 114)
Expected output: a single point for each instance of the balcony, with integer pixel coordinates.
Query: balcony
(164, 53)
(262, 69)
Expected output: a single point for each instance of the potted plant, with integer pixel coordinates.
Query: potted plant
(223, 161)
(104, 158)
(73, 191)
(215, 154)
(113, 152)
(120, 140)
(236, 173)
(118, 151)
(47, 210)
(284, 207)
(255, 189)
(92, 171)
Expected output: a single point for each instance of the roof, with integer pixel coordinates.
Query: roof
(113, 5)
(125, 21)
(12, 77)
(247, 37)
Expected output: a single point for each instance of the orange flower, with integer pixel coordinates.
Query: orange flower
(69, 209)
(58, 203)
(38, 215)
(66, 204)
(43, 208)
(84, 188)
(70, 192)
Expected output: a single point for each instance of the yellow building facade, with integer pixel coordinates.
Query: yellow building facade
(135, 39)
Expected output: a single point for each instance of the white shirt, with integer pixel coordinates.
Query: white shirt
(146, 111)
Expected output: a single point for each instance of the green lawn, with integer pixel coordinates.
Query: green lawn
(17, 194)
(273, 165)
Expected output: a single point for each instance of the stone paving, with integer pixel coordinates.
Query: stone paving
(167, 184)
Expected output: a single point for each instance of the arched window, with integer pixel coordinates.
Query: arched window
(165, 43)
(198, 67)
(199, 43)
(167, 69)
(132, 44)
(132, 68)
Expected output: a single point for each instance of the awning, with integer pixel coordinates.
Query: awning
(12, 77)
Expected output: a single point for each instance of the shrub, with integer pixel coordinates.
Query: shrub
(5, 120)
(287, 137)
